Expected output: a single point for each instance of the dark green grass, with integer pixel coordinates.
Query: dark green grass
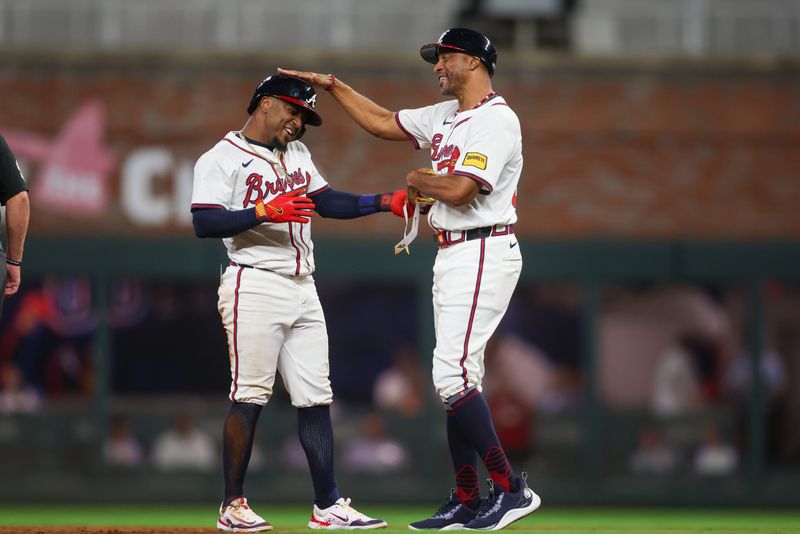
(562, 520)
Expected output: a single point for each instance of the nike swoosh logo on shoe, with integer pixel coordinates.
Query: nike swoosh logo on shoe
(340, 518)
(248, 163)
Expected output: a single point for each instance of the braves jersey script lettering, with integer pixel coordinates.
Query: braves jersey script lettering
(483, 144)
(235, 175)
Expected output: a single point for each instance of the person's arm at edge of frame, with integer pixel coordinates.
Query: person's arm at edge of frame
(18, 212)
(375, 119)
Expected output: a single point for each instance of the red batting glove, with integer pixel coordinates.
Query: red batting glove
(288, 207)
(396, 202)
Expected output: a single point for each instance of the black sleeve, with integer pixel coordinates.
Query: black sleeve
(11, 180)
(219, 222)
(342, 205)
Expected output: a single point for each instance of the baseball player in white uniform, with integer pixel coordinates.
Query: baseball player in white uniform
(257, 189)
(476, 161)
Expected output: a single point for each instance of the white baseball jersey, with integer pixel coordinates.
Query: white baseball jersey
(483, 143)
(474, 277)
(234, 174)
(268, 301)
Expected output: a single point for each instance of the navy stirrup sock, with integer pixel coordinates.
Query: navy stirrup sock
(237, 444)
(315, 431)
(465, 463)
(475, 420)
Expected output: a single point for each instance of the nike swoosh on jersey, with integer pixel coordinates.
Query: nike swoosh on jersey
(248, 163)
(512, 245)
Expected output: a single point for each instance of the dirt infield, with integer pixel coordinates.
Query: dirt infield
(105, 530)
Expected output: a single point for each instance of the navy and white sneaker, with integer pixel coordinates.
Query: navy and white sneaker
(503, 508)
(450, 516)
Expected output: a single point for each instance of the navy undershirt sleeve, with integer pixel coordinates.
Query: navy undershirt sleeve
(219, 222)
(342, 205)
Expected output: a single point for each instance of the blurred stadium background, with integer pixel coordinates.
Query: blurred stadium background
(651, 354)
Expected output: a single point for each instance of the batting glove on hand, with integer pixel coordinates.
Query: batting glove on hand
(396, 202)
(425, 203)
(288, 207)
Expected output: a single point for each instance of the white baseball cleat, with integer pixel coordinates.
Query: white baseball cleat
(342, 516)
(239, 517)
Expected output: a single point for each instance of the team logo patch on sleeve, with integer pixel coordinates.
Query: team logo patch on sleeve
(475, 159)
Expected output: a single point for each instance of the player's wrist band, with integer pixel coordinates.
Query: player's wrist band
(15, 263)
(383, 201)
(261, 210)
(333, 82)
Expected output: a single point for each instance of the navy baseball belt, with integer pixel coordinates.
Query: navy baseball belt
(234, 264)
(445, 238)
(292, 276)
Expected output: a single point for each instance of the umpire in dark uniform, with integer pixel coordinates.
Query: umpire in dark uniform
(14, 196)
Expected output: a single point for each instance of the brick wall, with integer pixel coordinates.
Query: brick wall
(629, 152)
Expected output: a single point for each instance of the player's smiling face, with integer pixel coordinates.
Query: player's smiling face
(284, 123)
(451, 69)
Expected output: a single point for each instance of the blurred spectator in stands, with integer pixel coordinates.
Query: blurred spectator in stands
(513, 423)
(403, 386)
(67, 369)
(653, 455)
(638, 323)
(676, 384)
(517, 376)
(185, 447)
(373, 451)
(738, 383)
(121, 447)
(25, 337)
(129, 303)
(49, 336)
(714, 456)
(514, 365)
(16, 396)
(565, 392)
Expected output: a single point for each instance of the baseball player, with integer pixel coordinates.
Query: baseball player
(14, 196)
(257, 190)
(476, 160)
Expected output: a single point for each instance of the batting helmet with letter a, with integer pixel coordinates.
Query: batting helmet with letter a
(465, 41)
(289, 89)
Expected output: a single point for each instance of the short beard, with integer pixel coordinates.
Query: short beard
(448, 89)
(277, 144)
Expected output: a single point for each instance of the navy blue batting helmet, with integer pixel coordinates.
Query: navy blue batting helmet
(289, 89)
(462, 40)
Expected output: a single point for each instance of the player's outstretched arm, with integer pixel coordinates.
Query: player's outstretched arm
(334, 204)
(375, 119)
